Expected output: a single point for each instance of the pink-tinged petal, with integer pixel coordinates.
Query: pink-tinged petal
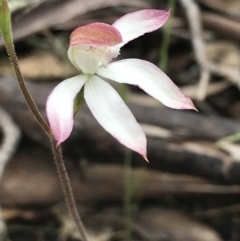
(60, 104)
(113, 114)
(149, 78)
(133, 25)
(96, 34)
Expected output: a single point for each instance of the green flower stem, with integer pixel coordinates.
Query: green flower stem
(29, 100)
(166, 37)
(128, 185)
(66, 186)
(128, 193)
(6, 30)
(67, 189)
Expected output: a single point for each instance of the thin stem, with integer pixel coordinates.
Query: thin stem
(29, 100)
(5, 29)
(67, 189)
(166, 38)
(66, 185)
(128, 195)
(128, 185)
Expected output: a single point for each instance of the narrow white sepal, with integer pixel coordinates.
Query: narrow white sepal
(60, 104)
(113, 115)
(149, 78)
(135, 24)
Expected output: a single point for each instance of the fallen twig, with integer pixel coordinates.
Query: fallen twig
(194, 19)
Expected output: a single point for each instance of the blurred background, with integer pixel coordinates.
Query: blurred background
(189, 191)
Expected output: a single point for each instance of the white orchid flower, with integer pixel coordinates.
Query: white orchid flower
(92, 47)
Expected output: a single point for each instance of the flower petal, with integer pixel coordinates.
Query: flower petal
(149, 78)
(87, 59)
(113, 114)
(133, 25)
(60, 104)
(95, 34)
(83, 60)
